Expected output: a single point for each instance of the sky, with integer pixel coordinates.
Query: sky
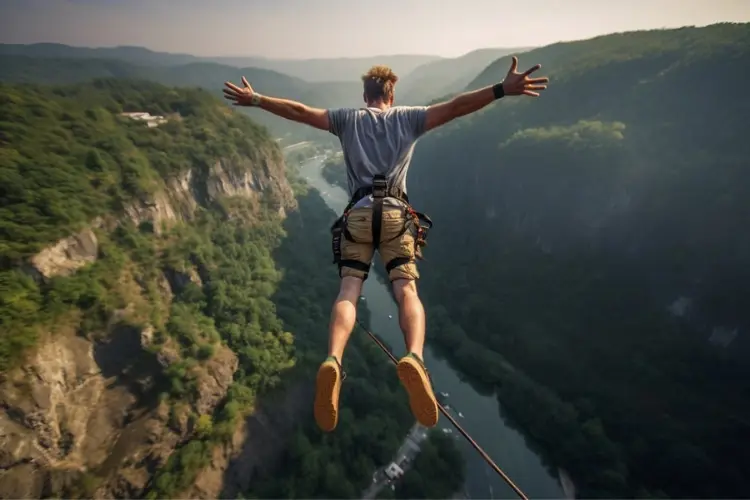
(343, 28)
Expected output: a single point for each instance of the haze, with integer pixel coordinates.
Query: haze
(342, 28)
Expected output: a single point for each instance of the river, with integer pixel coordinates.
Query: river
(481, 414)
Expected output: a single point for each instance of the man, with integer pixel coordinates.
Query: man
(377, 143)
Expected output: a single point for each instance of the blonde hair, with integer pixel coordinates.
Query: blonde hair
(379, 82)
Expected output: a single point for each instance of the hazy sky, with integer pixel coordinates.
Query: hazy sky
(332, 28)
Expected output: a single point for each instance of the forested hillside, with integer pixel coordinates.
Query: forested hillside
(436, 79)
(596, 237)
(159, 327)
(206, 75)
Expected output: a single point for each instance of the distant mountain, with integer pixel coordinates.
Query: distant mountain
(566, 61)
(327, 70)
(312, 70)
(211, 76)
(26, 69)
(447, 76)
(135, 55)
(327, 83)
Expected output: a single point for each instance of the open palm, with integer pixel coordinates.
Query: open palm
(240, 96)
(516, 83)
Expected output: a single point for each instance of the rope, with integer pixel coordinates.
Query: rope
(453, 421)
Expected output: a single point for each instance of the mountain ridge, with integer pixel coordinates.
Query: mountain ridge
(310, 70)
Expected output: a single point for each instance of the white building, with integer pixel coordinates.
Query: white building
(151, 120)
(393, 471)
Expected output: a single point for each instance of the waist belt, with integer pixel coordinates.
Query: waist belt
(380, 189)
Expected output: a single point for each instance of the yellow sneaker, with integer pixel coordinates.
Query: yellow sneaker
(413, 376)
(327, 389)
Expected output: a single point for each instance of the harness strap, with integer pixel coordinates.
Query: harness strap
(336, 230)
(379, 191)
(394, 263)
(354, 264)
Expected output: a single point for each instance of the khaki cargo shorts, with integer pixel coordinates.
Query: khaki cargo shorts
(397, 241)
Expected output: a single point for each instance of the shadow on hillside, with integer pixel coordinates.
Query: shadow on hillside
(303, 298)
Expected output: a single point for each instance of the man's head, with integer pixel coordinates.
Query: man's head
(379, 82)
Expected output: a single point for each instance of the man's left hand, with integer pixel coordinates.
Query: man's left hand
(516, 83)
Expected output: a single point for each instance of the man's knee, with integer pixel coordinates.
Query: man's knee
(350, 289)
(403, 288)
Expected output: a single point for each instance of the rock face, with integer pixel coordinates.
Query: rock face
(178, 280)
(227, 178)
(177, 201)
(67, 255)
(215, 377)
(256, 445)
(63, 411)
(231, 178)
(80, 409)
(79, 406)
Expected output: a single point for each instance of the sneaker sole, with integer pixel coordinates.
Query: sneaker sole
(421, 399)
(326, 404)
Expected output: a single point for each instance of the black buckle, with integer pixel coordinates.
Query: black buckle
(379, 187)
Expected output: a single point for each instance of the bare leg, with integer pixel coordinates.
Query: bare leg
(329, 378)
(343, 315)
(411, 317)
(411, 372)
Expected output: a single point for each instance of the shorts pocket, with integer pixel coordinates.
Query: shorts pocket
(359, 225)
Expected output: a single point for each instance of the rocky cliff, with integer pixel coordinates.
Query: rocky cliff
(256, 444)
(79, 406)
(85, 414)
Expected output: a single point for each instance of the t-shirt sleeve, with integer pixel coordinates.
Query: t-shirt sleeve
(415, 117)
(337, 120)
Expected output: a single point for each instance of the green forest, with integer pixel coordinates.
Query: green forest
(592, 210)
(68, 156)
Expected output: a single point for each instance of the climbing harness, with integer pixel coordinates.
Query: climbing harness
(379, 191)
(453, 421)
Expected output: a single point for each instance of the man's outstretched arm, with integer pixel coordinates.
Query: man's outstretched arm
(285, 108)
(463, 104)
(296, 111)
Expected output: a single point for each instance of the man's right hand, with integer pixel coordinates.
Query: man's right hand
(285, 108)
(239, 96)
(516, 83)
